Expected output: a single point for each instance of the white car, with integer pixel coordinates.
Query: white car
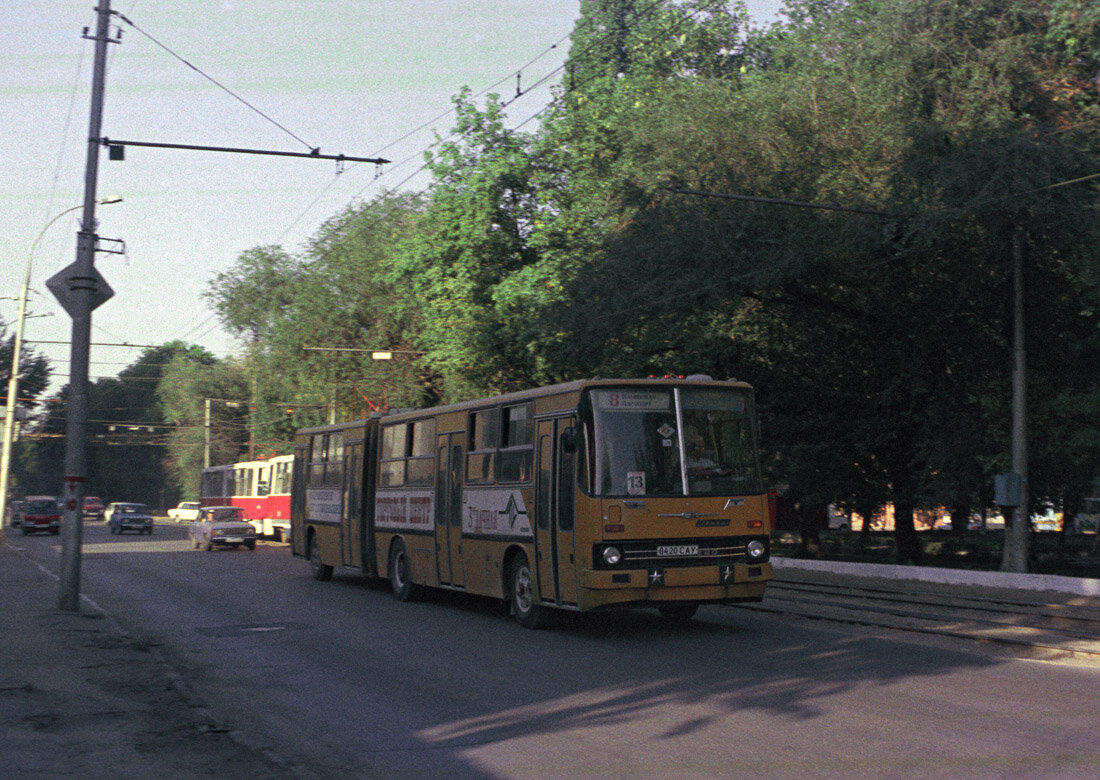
(186, 512)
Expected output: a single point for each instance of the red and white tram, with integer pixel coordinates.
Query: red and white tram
(260, 487)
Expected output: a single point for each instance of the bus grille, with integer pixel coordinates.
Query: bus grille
(677, 553)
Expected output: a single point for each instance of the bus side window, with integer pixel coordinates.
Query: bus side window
(392, 467)
(481, 460)
(420, 466)
(517, 443)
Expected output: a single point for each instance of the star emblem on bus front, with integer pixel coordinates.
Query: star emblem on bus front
(657, 577)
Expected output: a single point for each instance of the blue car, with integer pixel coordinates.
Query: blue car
(129, 517)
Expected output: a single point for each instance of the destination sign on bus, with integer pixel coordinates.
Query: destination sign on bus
(633, 400)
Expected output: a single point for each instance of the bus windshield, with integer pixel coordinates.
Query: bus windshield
(674, 442)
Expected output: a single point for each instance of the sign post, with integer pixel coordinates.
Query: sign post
(79, 295)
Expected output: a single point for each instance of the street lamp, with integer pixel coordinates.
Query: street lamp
(17, 346)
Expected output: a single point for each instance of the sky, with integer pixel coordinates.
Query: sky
(362, 78)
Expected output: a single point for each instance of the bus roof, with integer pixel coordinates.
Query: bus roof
(526, 395)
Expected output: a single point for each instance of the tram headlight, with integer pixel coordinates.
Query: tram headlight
(756, 550)
(612, 555)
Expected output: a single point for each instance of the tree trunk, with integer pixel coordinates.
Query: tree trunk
(960, 517)
(867, 512)
(909, 546)
(809, 528)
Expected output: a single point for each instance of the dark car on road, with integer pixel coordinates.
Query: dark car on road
(130, 517)
(41, 513)
(222, 526)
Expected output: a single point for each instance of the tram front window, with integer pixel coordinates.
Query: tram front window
(638, 442)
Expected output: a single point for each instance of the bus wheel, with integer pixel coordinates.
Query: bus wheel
(678, 613)
(404, 589)
(321, 572)
(521, 589)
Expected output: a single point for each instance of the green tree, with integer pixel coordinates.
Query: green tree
(471, 236)
(249, 296)
(127, 442)
(345, 307)
(206, 403)
(34, 370)
(875, 339)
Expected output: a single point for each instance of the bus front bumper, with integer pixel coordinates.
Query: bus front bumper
(729, 583)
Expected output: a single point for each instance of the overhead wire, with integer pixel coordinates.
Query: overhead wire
(652, 8)
(221, 86)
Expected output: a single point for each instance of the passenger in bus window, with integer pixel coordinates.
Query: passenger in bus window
(701, 470)
(698, 464)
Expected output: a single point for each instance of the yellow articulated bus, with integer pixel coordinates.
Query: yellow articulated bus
(589, 495)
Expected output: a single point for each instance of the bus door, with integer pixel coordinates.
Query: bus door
(554, 525)
(353, 505)
(448, 509)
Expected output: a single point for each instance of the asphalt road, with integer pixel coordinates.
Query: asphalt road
(340, 680)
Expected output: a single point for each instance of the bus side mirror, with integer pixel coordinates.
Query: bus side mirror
(569, 439)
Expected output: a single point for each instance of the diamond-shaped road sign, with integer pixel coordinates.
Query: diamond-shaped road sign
(64, 282)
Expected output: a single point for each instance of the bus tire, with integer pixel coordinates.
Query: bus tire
(404, 589)
(521, 594)
(321, 572)
(678, 613)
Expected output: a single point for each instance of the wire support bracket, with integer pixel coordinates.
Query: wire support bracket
(117, 148)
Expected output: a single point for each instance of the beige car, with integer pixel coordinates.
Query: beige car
(222, 526)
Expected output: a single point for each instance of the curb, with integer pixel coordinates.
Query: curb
(1079, 586)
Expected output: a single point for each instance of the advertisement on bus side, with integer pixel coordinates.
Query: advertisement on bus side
(404, 510)
(324, 505)
(496, 512)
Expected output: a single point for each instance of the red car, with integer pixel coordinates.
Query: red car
(93, 508)
(41, 513)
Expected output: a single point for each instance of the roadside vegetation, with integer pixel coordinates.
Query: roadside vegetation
(827, 208)
(1050, 552)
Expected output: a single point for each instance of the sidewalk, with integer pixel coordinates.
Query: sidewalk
(80, 698)
(995, 580)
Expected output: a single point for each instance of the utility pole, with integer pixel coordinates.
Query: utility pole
(1015, 555)
(84, 291)
(13, 400)
(206, 433)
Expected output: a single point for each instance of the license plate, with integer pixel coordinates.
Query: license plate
(677, 550)
(232, 539)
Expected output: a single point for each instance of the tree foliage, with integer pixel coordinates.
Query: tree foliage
(826, 207)
(128, 441)
(34, 370)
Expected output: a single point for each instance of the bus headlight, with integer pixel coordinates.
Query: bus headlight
(612, 555)
(756, 550)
